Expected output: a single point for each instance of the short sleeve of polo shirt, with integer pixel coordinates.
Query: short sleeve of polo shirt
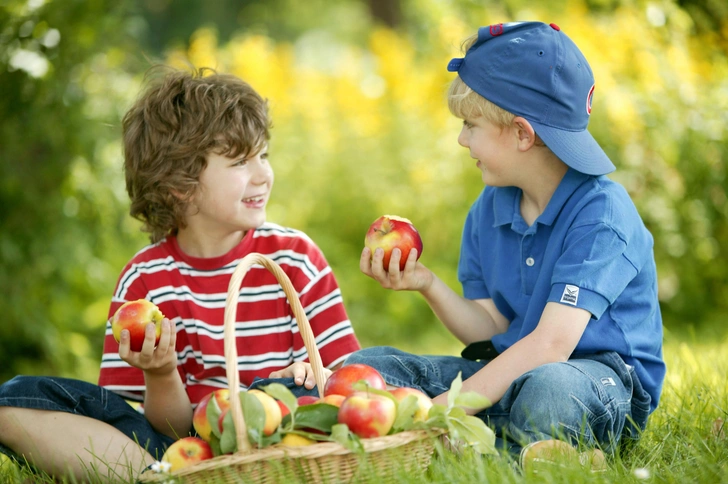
(594, 268)
(469, 269)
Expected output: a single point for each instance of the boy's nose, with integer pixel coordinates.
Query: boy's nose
(262, 171)
(462, 138)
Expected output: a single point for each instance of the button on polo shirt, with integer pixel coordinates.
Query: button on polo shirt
(588, 249)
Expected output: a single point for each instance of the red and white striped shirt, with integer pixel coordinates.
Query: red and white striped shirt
(192, 291)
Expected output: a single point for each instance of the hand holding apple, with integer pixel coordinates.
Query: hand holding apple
(134, 316)
(389, 232)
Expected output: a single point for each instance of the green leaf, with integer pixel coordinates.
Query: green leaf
(455, 387)
(340, 433)
(474, 433)
(228, 441)
(254, 415)
(437, 411)
(215, 445)
(405, 414)
(456, 413)
(319, 416)
(282, 393)
(213, 416)
(472, 400)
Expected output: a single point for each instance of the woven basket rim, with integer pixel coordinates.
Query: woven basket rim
(319, 451)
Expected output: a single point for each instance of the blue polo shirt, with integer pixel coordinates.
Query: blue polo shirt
(588, 249)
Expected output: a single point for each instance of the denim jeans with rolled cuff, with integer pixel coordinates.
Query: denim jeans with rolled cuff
(591, 400)
(78, 397)
(90, 400)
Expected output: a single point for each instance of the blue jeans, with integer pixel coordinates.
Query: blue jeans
(589, 399)
(82, 398)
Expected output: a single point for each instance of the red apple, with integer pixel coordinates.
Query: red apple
(272, 411)
(199, 416)
(135, 316)
(284, 409)
(340, 382)
(368, 414)
(186, 452)
(221, 419)
(390, 232)
(306, 400)
(333, 399)
(424, 403)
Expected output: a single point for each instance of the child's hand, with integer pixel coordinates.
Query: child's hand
(302, 374)
(415, 277)
(160, 360)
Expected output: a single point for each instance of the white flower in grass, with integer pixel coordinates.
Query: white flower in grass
(161, 466)
(641, 473)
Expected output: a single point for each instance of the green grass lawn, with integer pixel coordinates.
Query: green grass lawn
(684, 441)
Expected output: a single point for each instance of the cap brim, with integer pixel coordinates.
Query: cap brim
(578, 149)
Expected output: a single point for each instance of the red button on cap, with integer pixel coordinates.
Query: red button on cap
(555, 27)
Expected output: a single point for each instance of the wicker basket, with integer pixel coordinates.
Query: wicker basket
(322, 462)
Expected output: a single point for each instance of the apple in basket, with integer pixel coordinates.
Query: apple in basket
(390, 232)
(135, 316)
(185, 452)
(199, 416)
(368, 414)
(341, 381)
(273, 415)
(333, 399)
(424, 403)
(306, 400)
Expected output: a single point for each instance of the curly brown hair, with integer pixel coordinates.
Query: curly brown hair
(177, 121)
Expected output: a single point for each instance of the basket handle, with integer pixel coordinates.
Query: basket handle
(231, 351)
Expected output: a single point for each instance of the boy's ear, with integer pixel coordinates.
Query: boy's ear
(524, 132)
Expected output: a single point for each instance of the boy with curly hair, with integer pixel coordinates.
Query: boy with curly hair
(199, 178)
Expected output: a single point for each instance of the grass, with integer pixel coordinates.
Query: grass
(684, 441)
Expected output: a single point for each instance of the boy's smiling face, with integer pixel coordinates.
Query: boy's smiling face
(232, 193)
(492, 147)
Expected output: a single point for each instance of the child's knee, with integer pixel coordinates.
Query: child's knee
(368, 355)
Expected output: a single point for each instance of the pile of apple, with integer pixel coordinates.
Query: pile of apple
(355, 405)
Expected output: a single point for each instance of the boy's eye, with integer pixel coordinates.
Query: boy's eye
(467, 123)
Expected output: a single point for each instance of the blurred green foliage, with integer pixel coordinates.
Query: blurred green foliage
(361, 128)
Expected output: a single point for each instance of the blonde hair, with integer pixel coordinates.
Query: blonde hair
(466, 103)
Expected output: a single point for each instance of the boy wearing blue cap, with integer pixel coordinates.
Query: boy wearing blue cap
(559, 307)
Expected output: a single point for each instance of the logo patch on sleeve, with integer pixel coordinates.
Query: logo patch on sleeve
(570, 295)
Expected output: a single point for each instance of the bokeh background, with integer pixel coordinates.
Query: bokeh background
(361, 128)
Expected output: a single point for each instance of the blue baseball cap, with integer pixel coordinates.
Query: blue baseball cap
(535, 71)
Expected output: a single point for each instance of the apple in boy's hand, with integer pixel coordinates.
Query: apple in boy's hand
(390, 232)
(186, 452)
(199, 416)
(135, 316)
(424, 403)
(368, 414)
(340, 382)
